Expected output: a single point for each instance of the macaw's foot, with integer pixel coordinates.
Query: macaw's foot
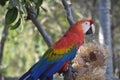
(72, 69)
(67, 67)
(70, 74)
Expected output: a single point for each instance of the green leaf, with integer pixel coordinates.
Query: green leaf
(35, 1)
(31, 0)
(23, 10)
(2, 2)
(44, 9)
(37, 12)
(39, 3)
(16, 25)
(10, 5)
(3, 69)
(16, 3)
(11, 15)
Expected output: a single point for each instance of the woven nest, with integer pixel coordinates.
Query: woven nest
(90, 62)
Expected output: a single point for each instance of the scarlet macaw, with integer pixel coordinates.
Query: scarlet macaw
(57, 57)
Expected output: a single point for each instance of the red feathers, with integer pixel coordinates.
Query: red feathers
(91, 22)
(73, 36)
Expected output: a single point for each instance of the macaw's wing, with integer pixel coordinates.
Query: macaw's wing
(52, 61)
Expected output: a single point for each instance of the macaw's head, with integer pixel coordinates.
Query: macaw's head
(87, 26)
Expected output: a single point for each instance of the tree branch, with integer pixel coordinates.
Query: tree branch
(2, 43)
(68, 12)
(31, 15)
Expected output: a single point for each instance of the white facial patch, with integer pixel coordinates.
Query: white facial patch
(86, 26)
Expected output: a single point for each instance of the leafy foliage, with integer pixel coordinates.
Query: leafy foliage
(17, 9)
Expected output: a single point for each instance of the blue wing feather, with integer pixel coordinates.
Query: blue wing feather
(48, 68)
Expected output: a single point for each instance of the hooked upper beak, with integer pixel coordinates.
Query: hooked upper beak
(91, 30)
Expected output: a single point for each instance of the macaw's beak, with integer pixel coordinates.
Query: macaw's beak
(91, 30)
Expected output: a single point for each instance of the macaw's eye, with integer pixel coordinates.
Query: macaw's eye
(86, 23)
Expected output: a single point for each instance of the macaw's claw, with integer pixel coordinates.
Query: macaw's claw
(70, 73)
(72, 69)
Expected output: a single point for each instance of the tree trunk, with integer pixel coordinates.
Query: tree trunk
(105, 33)
(2, 43)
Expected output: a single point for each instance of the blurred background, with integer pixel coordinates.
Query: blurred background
(24, 45)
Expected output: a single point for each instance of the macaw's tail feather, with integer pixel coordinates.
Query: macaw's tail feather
(26, 76)
(35, 72)
(43, 72)
(42, 77)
